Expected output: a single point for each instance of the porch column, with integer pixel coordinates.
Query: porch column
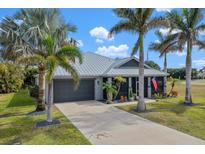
(149, 88)
(129, 85)
(165, 85)
(109, 80)
(136, 86)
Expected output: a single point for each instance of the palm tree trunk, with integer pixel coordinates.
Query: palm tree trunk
(165, 70)
(118, 90)
(141, 104)
(188, 98)
(41, 92)
(165, 63)
(50, 103)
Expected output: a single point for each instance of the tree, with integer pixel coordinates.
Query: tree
(187, 24)
(119, 81)
(177, 73)
(153, 65)
(180, 73)
(30, 76)
(55, 55)
(24, 37)
(138, 22)
(110, 90)
(11, 77)
(164, 45)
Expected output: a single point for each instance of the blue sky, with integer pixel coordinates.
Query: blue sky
(93, 26)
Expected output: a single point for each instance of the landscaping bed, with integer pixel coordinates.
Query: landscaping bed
(18, 128)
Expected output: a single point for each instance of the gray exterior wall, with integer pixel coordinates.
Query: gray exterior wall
(100, 95)
(98, 88)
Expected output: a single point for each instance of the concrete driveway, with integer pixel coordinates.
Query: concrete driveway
(105, 124)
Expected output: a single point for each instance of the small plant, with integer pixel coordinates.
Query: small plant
(173, 94)
(172, 86)
(135, 96)
(131, 96)
(158, 96)
(110, 90)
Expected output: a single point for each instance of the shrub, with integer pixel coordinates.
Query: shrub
(180, 73)
(33, 91)
(130, 93)
(29, 79)
(11, 77)
(153, 65)
(158, 96)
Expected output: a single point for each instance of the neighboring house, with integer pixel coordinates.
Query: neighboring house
(201, 73)
(97, 69)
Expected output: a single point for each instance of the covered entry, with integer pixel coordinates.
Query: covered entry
(64, 90)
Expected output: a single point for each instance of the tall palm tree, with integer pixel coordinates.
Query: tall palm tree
(26, 30)
(164, 45)
(55, 55)
(138, 22)
(188, 24)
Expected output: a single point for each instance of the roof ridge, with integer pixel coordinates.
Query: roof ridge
(89, 52)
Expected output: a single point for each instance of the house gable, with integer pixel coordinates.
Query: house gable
(131, 63)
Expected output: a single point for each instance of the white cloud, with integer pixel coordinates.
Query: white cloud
(112, 51)
(19, 22)
(183, 53)
(182, 65)
(80, 43)
(199, 62)
(202, 32)
(99, 41)
(165, 31)
(157, 41)
(163, 9)
(100, 33)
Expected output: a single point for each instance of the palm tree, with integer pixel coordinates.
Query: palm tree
(138, 22)
(164, 45)
(188, 24)
(119, 81)
(54, 55)
(110, 90)
(25, 31)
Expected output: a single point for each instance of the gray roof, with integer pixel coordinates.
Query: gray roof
(133, 72)
(96, 65)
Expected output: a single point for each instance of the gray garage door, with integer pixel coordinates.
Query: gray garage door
(64, 90)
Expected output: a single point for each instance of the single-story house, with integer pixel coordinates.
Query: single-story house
(97, 69)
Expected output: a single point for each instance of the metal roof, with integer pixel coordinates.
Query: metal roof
(133, 72)
(96, 65)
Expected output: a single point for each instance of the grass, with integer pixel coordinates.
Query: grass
(172, 113)
(17, 128)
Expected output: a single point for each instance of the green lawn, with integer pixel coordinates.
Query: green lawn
(172, 112)
(17, 128)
